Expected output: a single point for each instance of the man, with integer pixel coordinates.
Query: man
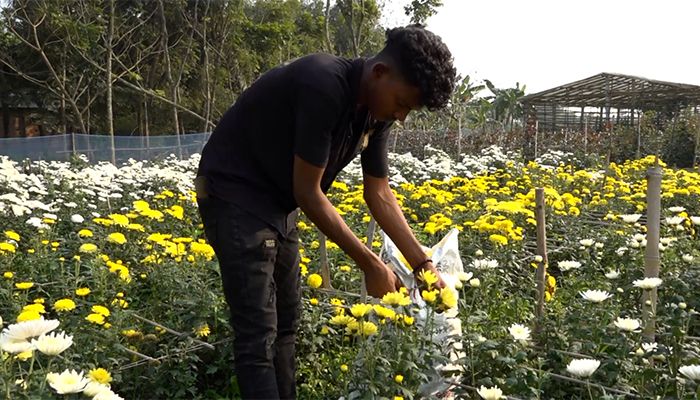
(279, 148)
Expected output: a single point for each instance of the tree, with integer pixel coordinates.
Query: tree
(421, 10)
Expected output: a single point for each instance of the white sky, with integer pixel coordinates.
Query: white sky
(546, 43)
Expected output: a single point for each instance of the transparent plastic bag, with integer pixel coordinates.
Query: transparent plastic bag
(445, 256)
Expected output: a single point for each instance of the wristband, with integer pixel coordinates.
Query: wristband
(420, 266)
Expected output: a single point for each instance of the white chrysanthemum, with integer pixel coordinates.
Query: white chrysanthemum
(688, 258)
(14, 346)
(77, 218)
(484, 264)
(67, 381)
(627, 324)
(639, 237)
(492, 393)
(595, 296)
(649, 347)
(630, 218)
(568, 265)
(621, 251)
(695, 220)
(582, 368)
(464, 276)
(93, 388)
(29, 329)
(519, 332)
(107, 395)
(690, 371)
(53, 343)
(612, 274)
(586, 242)
(647, 283)
(674, 220)
(676, 209)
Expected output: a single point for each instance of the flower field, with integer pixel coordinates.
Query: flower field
(110, 289)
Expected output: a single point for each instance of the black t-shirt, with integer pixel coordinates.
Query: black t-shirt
(307, 107)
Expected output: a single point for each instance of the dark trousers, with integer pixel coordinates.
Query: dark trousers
(261, 281)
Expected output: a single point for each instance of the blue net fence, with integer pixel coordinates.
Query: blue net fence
(99, 147)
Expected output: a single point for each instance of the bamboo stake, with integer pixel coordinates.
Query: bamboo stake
(371, 228)
(542, 252)
(652, 260)
(325, 270)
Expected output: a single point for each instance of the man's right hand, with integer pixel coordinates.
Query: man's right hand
(380, 279)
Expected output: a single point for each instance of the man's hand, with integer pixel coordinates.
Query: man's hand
(380, 279)
(429, 267)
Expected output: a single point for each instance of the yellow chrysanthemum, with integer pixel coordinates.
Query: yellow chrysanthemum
(24, 285)
(360, 310)
(64, 305)
(82, 292)
(448, 298)
(314, 280)
(87, 248)
(100, 375)
(396, 299)
(430, 296)
(428, 277)
(28, 316)
(36, 306)
(12, 235)
(202, 331)
(116, 237)
(95, 318)
(102, 310)
(119, 219)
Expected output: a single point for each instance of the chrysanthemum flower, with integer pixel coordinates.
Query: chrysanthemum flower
(24, 285)
(360, 310)
(100, 375)
(568, 265)
(29, 329)
(519, 332)
(492, 393)
(53, 343)
(314, 280)
(627, 324)
(690, 371)
(648, 283)
(64, 305)
(595, 296)
(82, 292)
(582, 368)
(116, 237)
(396, 299)
(87, 248)
(67, 381)
(448, 298)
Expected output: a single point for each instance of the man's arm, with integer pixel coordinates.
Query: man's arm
(385, 209)
(307, 192)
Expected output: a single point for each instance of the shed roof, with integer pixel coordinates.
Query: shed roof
(619, 91)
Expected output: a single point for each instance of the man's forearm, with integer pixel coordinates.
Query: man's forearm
(385, 209)
(321, 212)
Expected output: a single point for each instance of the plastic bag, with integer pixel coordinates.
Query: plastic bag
(445, 256)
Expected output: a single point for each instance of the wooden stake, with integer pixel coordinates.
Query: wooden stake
(325, 270)
(542, 252)
(652, 261)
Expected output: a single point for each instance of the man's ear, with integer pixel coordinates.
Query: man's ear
(380, 68)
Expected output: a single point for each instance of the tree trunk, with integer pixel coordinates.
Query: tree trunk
(168, 71)
(108, 77)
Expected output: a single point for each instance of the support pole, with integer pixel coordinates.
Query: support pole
(542, 252)
(652, 261)
(325, 270)
(371, 228)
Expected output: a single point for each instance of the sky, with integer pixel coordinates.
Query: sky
(546, 43)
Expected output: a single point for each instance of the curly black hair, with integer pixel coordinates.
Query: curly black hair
(424, 61)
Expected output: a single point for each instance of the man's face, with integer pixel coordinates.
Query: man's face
(391, 97)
